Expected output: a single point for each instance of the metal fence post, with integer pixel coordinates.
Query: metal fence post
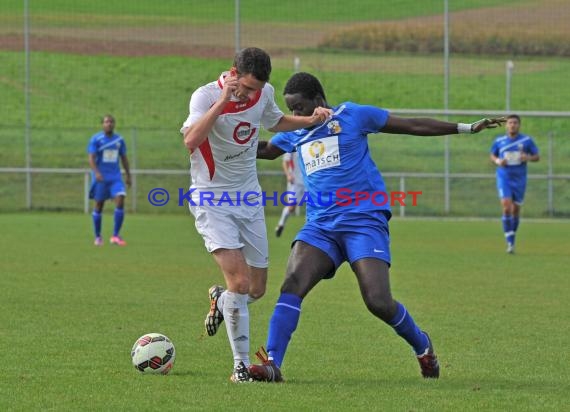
(27, 131)
(86, 192)
(402, 190)
(509, 77)
(550, 173)
(237, 26)
(446, 195)
(134, 168)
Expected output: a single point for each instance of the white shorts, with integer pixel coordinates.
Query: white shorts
(234, 227)
(298, 189)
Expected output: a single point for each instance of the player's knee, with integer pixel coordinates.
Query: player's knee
(380, 306)
(238, 282)
(257, 292)
(292, 285)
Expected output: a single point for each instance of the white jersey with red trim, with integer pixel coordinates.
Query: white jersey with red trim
(225, 161)
(292, 161)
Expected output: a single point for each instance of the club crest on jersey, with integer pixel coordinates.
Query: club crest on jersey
(320, 154)
(243, 132)
(334, 127)
(316, 148)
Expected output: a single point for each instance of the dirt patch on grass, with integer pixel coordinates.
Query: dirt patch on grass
(111, 47)
(211, 41)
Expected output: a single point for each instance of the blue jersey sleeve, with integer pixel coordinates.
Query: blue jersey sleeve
(371, 119)
(283, 141)
(531, 148)
(92, 147)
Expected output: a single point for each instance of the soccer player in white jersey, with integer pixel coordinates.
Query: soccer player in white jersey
(511, 152)
(222, 132)
(295, 187)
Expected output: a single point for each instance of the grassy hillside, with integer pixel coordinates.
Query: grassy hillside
(58, 12)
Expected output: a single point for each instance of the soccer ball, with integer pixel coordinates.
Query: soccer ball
(153, 353)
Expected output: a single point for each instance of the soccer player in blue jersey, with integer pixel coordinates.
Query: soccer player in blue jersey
(337, 166)
(105, 149)
(511, 152)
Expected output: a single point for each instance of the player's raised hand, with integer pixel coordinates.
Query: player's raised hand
(321, 115)
(487, 124)
(230, 85)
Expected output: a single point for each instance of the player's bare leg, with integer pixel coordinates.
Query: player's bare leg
(116, 239)
(257, 283)
(508, 207)
(306, 266)
(232, 304)
(97, 219)
(374, 282)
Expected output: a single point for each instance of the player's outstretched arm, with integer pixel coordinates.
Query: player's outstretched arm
(290, 123)
(265, 150)
(432, 127)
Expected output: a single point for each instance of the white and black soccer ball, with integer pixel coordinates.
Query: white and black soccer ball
(153, 353)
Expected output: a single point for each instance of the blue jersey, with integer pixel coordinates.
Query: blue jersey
(511, 148)
(339, 174)
(107, 151)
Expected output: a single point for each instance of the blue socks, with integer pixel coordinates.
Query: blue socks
(515, 223)
(509, 228)
(282, 325)
(405, 326)
(119, 216)
(97, 222)
(285, 319)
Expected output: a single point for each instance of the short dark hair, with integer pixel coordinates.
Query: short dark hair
(306, 85)
(514, 116)
(107, 116)
(253, 61)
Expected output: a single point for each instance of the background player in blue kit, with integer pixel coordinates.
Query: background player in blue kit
(105, 149)
(510, 153)
(335, 156)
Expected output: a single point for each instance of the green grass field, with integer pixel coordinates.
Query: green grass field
(71, 313)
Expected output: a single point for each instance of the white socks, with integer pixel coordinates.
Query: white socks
(236, 316)
(284, 216)
(222, 298)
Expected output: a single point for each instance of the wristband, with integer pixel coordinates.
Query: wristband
(464, 128)
(498, 161)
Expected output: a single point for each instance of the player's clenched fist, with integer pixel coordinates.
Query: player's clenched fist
(321, 114)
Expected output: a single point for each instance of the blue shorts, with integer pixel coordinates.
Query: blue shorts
(511, 189)
(349, 237)
(101, 191)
